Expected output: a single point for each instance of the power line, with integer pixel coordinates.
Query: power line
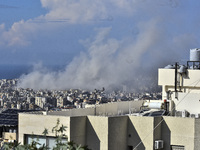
(163, 118)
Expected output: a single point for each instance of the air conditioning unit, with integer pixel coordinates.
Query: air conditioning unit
(159, 144)
(197, 115)
(178, 113)
(192, 115)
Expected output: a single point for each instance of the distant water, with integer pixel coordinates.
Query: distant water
(13, 71)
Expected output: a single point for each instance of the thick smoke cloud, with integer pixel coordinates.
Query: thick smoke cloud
(108, 63)
(111, 62)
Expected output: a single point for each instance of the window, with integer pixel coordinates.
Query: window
(49, 141)
(177, 147)
(130, 148)
(31, 138)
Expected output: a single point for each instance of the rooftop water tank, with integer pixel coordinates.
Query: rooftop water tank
(169, 67)
(195, 54)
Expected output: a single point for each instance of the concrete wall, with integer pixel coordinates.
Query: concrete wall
(74, 112)
(157, 128)
(83, 131)
(197, 134)
(189, 102)
(189, 89)
(192, 79)
(178, 131)
(97, 132)
(172, 130)
(167, 77)
(123, 107)
(108, 109)
(117, 133)
(78, 130)
(10, 136)
(141, 133)
(35, 124)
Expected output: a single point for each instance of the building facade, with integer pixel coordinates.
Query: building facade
(119, 126)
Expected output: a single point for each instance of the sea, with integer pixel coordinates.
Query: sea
(13, 71)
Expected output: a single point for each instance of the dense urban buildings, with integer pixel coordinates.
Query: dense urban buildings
(122, 121)
(14, 100)
(29, 99)
(170, 123)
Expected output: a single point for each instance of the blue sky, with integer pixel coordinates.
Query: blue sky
(95, 43)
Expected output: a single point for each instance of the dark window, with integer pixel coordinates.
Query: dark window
(130, 148)
(177, 147)
(49, 141)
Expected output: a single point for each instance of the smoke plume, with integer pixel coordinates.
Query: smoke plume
(112, 62)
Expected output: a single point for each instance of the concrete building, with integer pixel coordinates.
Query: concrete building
(40, 101)
(96, 121)
(62, 101)
(169, 124)
(112, 131)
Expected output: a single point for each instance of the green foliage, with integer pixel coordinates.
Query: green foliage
(45, 132)
(61, 141)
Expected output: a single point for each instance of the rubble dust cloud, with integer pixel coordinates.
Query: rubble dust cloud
(108, 63)
(131, 60)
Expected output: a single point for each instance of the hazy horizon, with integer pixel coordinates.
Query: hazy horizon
(103, 43)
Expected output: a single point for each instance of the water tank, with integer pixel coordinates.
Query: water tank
(195, 54)
(153, 105)
(170, 67)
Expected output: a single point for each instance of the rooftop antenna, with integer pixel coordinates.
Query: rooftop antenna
(176, 91)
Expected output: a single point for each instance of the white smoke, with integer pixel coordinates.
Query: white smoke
(108, 63)
(112, 62)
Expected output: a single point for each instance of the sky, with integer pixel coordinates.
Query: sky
(91, 44)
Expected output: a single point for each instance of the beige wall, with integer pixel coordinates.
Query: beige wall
(117, 135)
(108, 109)
(9, 136)
(186, 101)
(197, 134)
(141, 133)
(73, 112)
(118, 107)
(192, 79)
(189, 90)
(118, 132)
(167, 77)
(178, 131)
(97, 132)
(78, 130)
(189, 102)
(35, 124)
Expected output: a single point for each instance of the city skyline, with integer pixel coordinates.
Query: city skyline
(95, 43)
